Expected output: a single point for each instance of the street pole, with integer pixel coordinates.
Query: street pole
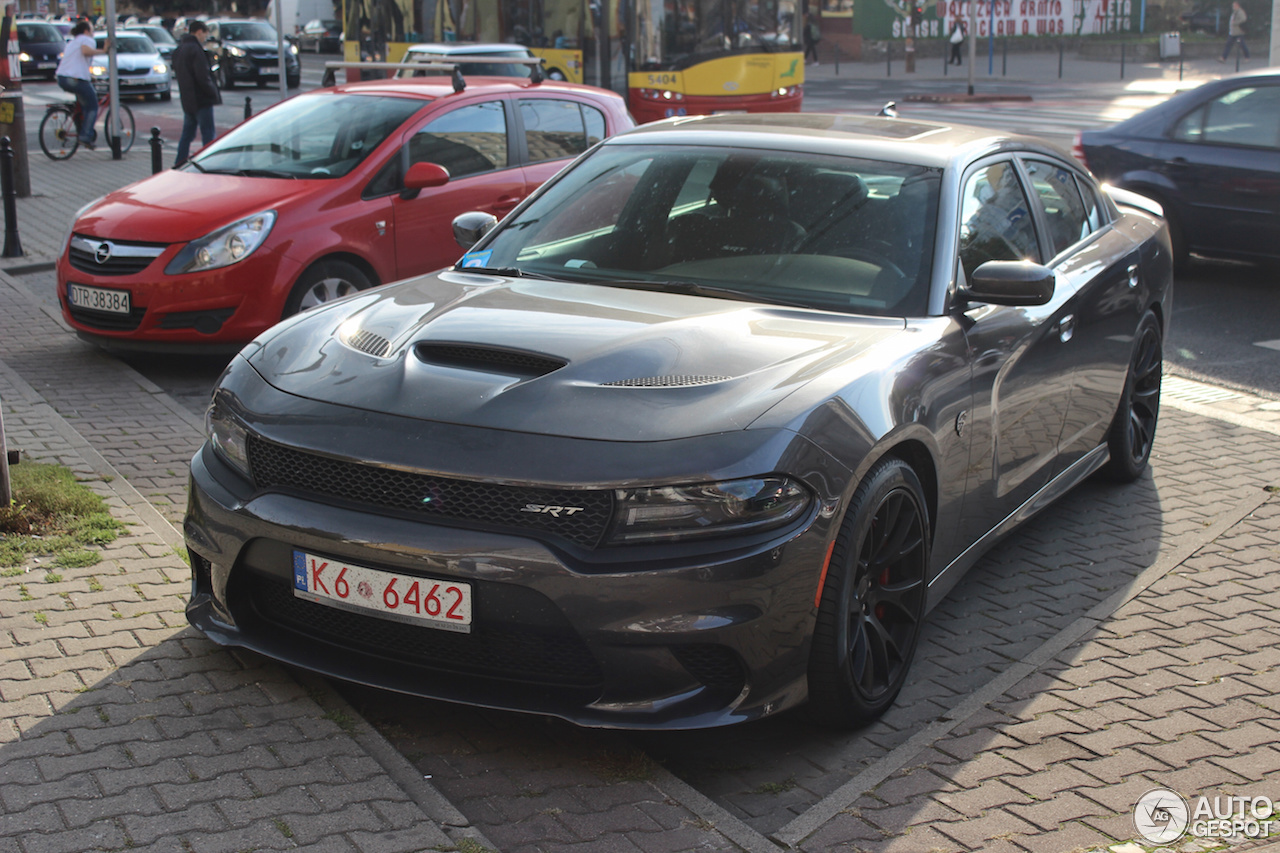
(1275, 33)
(284, 77)
(113, 86)
(973, 40)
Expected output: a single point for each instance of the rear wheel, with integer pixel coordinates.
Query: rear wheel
(1133, 430)
(873, 601)
(58, 139)
(324, 282)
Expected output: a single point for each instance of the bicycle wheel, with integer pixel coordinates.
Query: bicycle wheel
(58, 137)
(126, 127)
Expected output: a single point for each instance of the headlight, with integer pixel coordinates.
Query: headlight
(225, 246)
(293, 48)
(160, 68)
(672, 513)
(98, 70)
(24, 57)
(228, 436)
(234, 51)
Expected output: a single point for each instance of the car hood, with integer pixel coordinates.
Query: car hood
(573, 360)
(256, 46)
(130, 61)
(176, 206)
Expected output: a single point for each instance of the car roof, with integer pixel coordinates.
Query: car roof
(432, 87)
(924, 143)
(466, 49)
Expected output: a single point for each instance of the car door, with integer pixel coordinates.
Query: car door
(1021, 356)
(1224, 157)
(1098, 277)
(473, 142)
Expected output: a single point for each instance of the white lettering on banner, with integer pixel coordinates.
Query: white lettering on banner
(1039, 17)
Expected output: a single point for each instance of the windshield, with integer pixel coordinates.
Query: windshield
(130, 44)
(673, 36)
(309, 136)
(473, 69)
(817, 231)
(247, 32)
(39, 34)
(159, 35)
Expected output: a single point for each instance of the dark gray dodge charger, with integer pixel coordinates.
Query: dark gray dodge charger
(699, 433)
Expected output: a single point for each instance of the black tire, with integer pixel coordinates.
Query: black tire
(58, 137)
(128, 130)
(873, 600)
(323, 282)
(1133, 430)
(166, 96)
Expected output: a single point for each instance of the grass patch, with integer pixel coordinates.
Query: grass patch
(53, 514)
(776, 787)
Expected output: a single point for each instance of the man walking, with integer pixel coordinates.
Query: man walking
(73, 76)
(196, 89)
(1235, 32)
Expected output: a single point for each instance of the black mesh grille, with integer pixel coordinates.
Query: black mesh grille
(715, 666)
(487, 358)
(106, 320)
(576, 516)
(115, 265)
(496, 649)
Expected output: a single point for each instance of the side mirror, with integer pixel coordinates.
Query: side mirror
(423, 176)
(468, 228)
(1010, 283)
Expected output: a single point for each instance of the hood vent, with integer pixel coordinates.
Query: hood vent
(369, 342)
(666, 381)
(488, 359)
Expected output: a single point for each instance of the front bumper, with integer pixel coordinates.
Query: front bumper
(145, 84)
(252, 69)
(693, 641)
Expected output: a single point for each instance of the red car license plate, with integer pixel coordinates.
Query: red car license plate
(433, 603)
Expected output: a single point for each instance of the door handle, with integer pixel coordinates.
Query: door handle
(1067, 328)
(505, 204)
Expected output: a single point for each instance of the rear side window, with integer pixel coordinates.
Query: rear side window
(1064, 210)
(556, 129)
(1246, 116)
(466, 141)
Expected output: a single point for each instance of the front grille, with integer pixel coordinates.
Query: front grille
(134, 72)
(680, 381)
(497, 648)
(576, 516)
(107, 321)
(715, 666)
(205, 322)
(121, 258)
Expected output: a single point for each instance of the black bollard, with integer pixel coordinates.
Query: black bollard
(1004, 57)
(1059, 60)
(248, 106)
(12, 246)
(157, 166)
(888, 59)
(1122, 47)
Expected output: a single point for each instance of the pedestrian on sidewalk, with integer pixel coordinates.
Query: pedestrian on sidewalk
(812, 35)
(73, 76)
(1235, 32)
(196, 89)
(957, 41)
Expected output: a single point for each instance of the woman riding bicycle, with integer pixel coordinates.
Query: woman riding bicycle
(73, 76)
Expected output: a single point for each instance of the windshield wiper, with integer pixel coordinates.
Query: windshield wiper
(690, 288)
(510, 272)
(197, 166)
(265, 173)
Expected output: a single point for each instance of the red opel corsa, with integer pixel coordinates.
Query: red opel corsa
(323, 195)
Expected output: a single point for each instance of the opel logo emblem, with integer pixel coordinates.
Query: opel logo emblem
(102, 254)
(731, 86)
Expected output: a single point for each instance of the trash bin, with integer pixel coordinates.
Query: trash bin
(1170, 45)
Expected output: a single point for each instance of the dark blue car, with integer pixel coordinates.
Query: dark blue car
(1211, 157)
(41, 47)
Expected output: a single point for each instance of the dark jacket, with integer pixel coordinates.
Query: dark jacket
(195, 79)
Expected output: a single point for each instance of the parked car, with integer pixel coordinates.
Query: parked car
(40, 45)
(325, 194)
(247, 51)
(444, 52)
(321, 37)
(160, 37)
(699, 432)
(140, 68)
(1211, 157)
(1204, 19)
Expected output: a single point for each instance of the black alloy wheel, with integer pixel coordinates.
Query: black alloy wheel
(873, 601)
(1133, 431)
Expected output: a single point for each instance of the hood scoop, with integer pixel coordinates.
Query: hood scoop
(683, 381)
(510, 362)
(368, 342)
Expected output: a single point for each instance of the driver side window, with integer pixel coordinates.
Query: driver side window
(995, 219)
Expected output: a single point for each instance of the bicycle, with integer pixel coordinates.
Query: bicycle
(60, 127)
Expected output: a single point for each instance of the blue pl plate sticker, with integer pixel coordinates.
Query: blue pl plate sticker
(476, 259)
(300, 571)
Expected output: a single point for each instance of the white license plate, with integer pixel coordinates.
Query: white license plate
(46, 65)
(403, 598)
(98, 299)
